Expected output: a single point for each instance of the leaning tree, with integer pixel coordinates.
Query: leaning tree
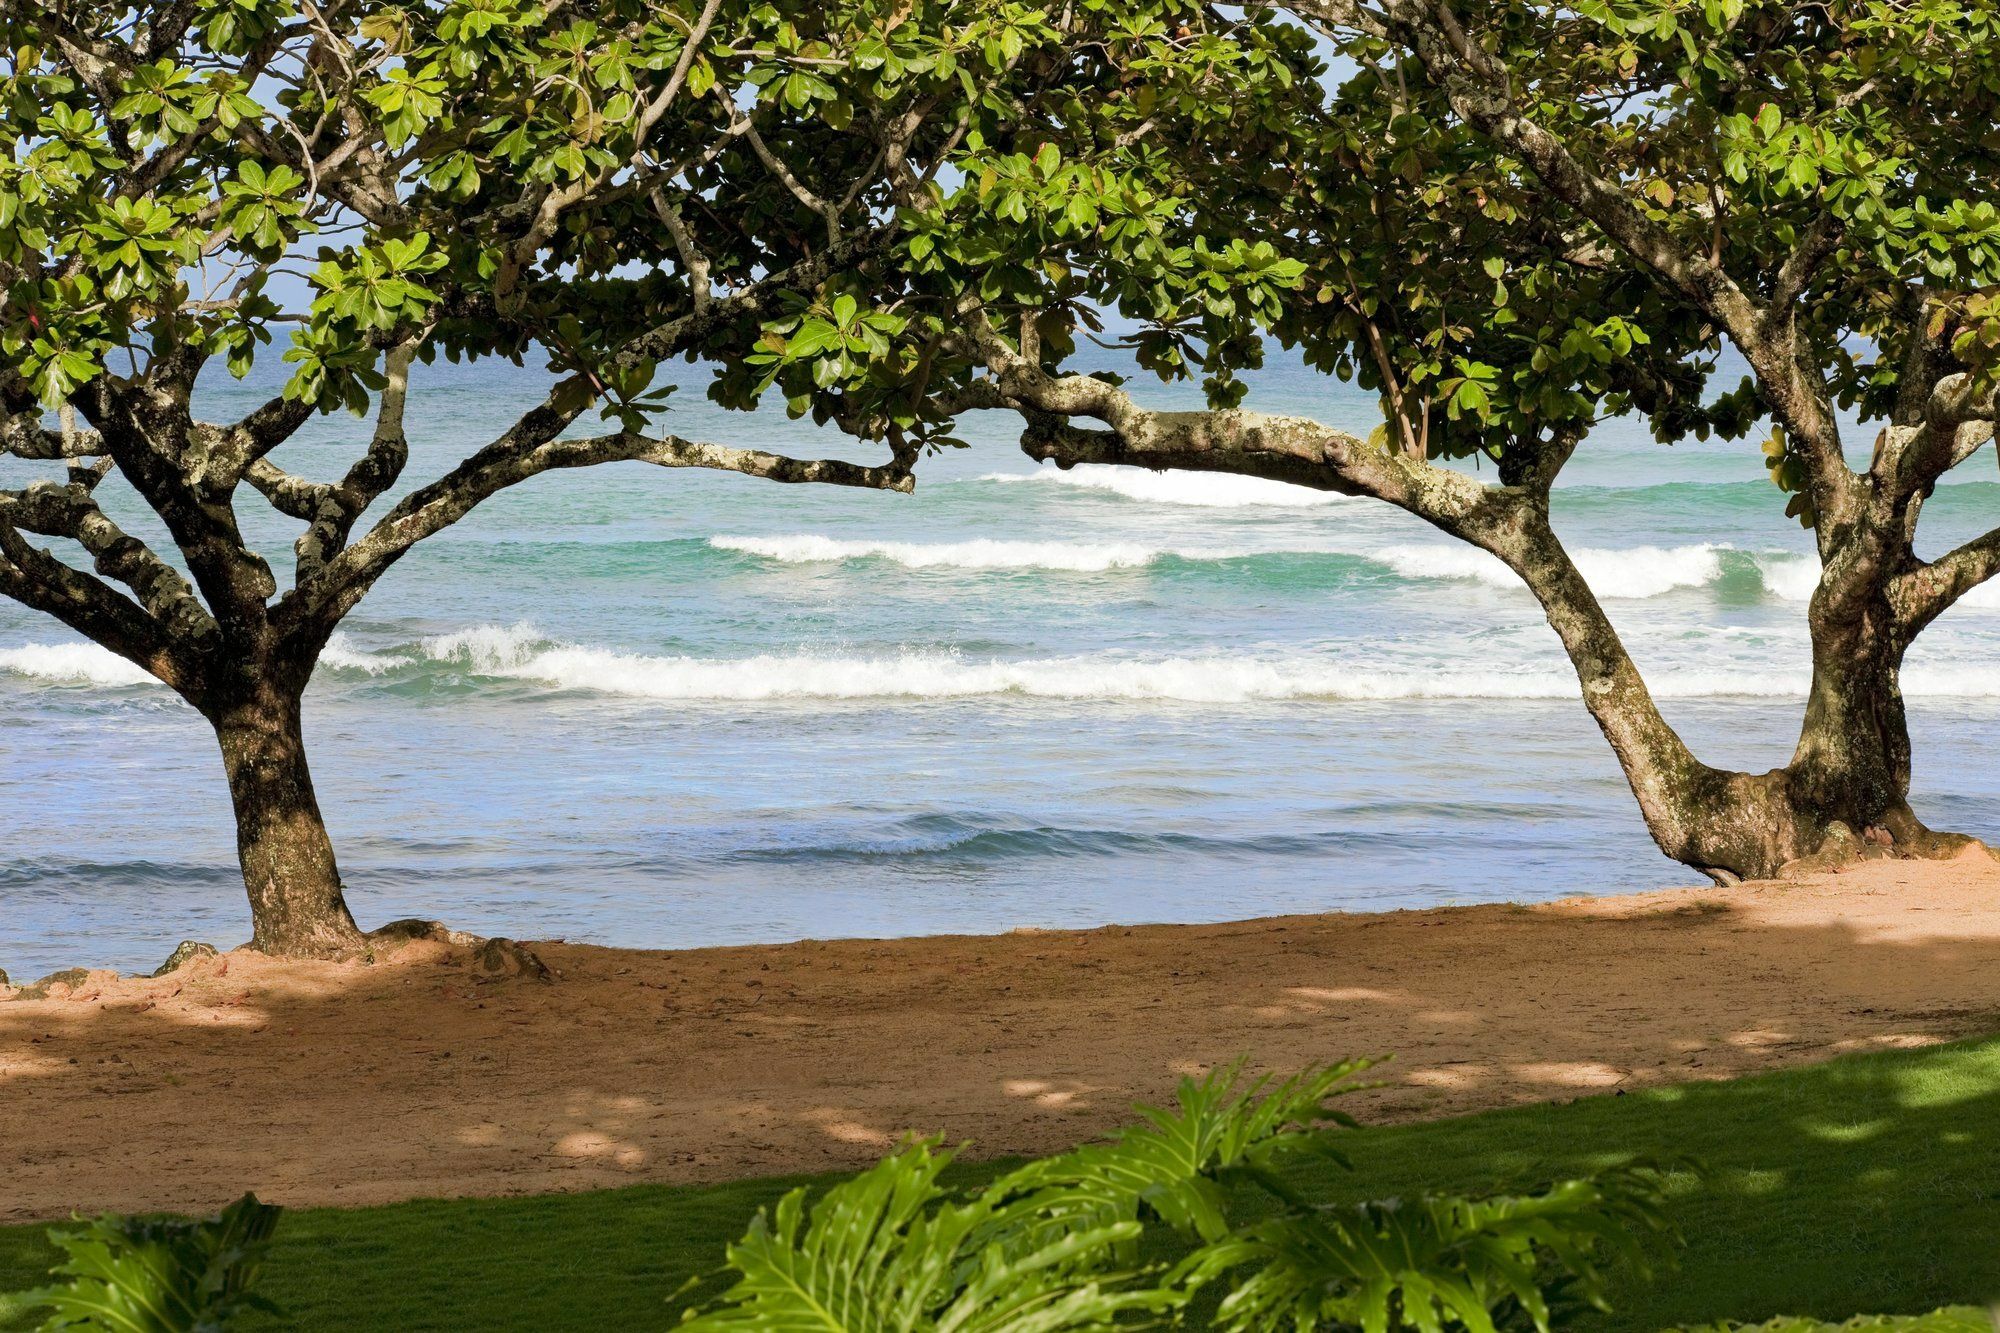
(1512, 220)
(371, 188)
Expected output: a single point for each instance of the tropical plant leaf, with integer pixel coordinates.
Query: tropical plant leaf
(1180, 1160)
(159, 1275)
(1431, 1263)
(892, 1249)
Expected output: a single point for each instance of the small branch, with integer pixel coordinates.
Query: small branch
(22, 435)
(323, 599)
(54, 510)
(1956, 419)
(693, 259)
(549, 210)
(1801, 267)
(743, 124)
(1927, 592)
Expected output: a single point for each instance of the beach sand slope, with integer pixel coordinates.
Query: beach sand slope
(420, 1075)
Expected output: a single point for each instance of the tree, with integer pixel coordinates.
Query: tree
(1514, 220)
(600, 189)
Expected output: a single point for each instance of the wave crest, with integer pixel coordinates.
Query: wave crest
(521, 653)
(986, 553)
(73, 664)
(1202, 490)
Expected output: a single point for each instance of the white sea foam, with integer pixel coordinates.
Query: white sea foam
(1789, 578)
(521, 653)
(72, 664)
(493, 649)
(1634, 572)
(340, 654)
(1631, 573)
(1205, 490)
(1084, 557)
(941, 675)
(1199, 680)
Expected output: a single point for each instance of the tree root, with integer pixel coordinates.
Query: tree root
(1899, 837)
(495, 956)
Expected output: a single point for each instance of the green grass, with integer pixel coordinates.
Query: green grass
(1865, 1185)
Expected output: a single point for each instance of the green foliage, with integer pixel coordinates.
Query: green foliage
(491, 176)
(1955, 1319)
(1213, 179)
(164, 1275)
(1434, 1263)
(1056, 1244)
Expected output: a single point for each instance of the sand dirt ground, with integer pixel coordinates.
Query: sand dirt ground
(327, 1083)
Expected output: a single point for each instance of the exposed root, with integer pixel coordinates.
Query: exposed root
(500, 956)
(187, 951)
(1900, 836)
(57, 984)
(496, 956)
(413, 928)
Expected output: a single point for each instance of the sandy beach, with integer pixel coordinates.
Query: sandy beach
(419, 1075)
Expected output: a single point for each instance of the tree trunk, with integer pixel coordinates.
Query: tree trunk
(1728, 825)
(1849, 779)
(1845, 792)
(1853, 759)
(296, 904)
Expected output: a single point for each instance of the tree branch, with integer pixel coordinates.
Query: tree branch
(525, 452)
(331, 511)
(1956, 419)
(1927, 592)
(23, 435)
(38, 580)
(1292, 449)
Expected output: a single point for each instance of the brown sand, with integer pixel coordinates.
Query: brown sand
(353, 1084)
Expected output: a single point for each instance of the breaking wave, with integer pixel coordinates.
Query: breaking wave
(1203, 490)
(1080, 557)
(523, 655)
(1630, 573)
(1627, 573)
(72, 664)
(520, 653)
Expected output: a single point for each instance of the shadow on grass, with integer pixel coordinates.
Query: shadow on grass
(1869, 1184)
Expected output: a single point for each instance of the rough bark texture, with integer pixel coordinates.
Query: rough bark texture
(288, 863)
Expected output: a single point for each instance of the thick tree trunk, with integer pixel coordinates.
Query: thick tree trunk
(1728, 825)
(1845, 792)
(296, 904)
(1852, 764)
(1849, 779)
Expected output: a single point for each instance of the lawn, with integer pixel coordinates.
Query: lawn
(1868, 1184)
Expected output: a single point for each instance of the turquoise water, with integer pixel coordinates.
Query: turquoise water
(669, 708)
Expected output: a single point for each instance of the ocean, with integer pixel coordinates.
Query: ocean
(668, 708)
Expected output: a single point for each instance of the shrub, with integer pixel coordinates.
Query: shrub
(1955, 1319)
(159, 1275)
(1074, 1242)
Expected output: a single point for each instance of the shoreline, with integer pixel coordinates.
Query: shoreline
(419, 1076)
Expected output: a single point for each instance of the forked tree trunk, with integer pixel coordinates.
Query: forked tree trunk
(1845, 792)
(296, 904)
